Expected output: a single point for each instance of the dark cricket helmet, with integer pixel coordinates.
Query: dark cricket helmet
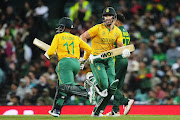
(109, 11)
(64, 22)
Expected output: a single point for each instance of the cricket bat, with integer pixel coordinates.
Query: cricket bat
(40, 44)
(106, 54)
(114, 52)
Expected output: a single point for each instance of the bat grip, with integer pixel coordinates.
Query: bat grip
(95, 57)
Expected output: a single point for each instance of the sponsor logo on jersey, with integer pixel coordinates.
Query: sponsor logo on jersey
(98, 68)
(108, 40)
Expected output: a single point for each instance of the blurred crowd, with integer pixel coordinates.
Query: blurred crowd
(153, 69)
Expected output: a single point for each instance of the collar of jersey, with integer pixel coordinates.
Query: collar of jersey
(108, 28)
(121, 26)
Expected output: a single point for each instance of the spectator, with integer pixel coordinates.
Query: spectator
(146, 32)
(12, 73)
(175, 32)
(160, 31)
(160, 94)
(144, 76)
(144, 53)
(172, 54)
(26, 102)
(165, 44)
(19, 49)
(41, 10)
(45, 97)
(33, 78)
(9, 16)
(136, 8)
(42, 84)
(141, 96)
(12, 91)
(29, 84)
(155, 80)
(169, 101)
(27, 11)
(22, 89)
(80, 10)
(2, 29)
(146, 18)
(51, 71)
(14, 101)
(155, 8)
(151, 97)
(41, 15)
(40, 102)
(27, 98)
(35, 95)
(52, 88)
(159, 55)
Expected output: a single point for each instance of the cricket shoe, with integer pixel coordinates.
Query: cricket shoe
(113, 114)
(127, 108)
(54, 113)
(100, 114)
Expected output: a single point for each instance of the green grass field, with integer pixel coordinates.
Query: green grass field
(88, 117)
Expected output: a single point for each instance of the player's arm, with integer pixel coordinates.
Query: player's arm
(119, 40)
(86, 48)
(85, 36)
(53, 47)
(120, 44)
(89, 33)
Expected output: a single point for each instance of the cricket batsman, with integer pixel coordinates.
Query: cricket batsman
(67, 47)
(103, 36)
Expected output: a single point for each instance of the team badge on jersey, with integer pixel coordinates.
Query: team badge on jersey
(103, 33)
(107, 10)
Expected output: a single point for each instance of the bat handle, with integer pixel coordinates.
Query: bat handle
(95, 57)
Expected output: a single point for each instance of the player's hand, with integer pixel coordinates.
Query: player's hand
(126, 53)
(90, 59)
(82, 63)
(45, 54)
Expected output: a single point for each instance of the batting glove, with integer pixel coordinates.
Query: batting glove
(82, 63)
(126, 53)
(45, 54)
(90, 59)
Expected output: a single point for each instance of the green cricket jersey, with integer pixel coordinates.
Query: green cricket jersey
(126, 38)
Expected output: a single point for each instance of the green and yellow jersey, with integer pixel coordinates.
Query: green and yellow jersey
(126, 38)
(68, 45)
(103, 39)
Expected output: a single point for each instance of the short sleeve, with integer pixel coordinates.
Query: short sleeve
(120, 37)
(93, 31)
